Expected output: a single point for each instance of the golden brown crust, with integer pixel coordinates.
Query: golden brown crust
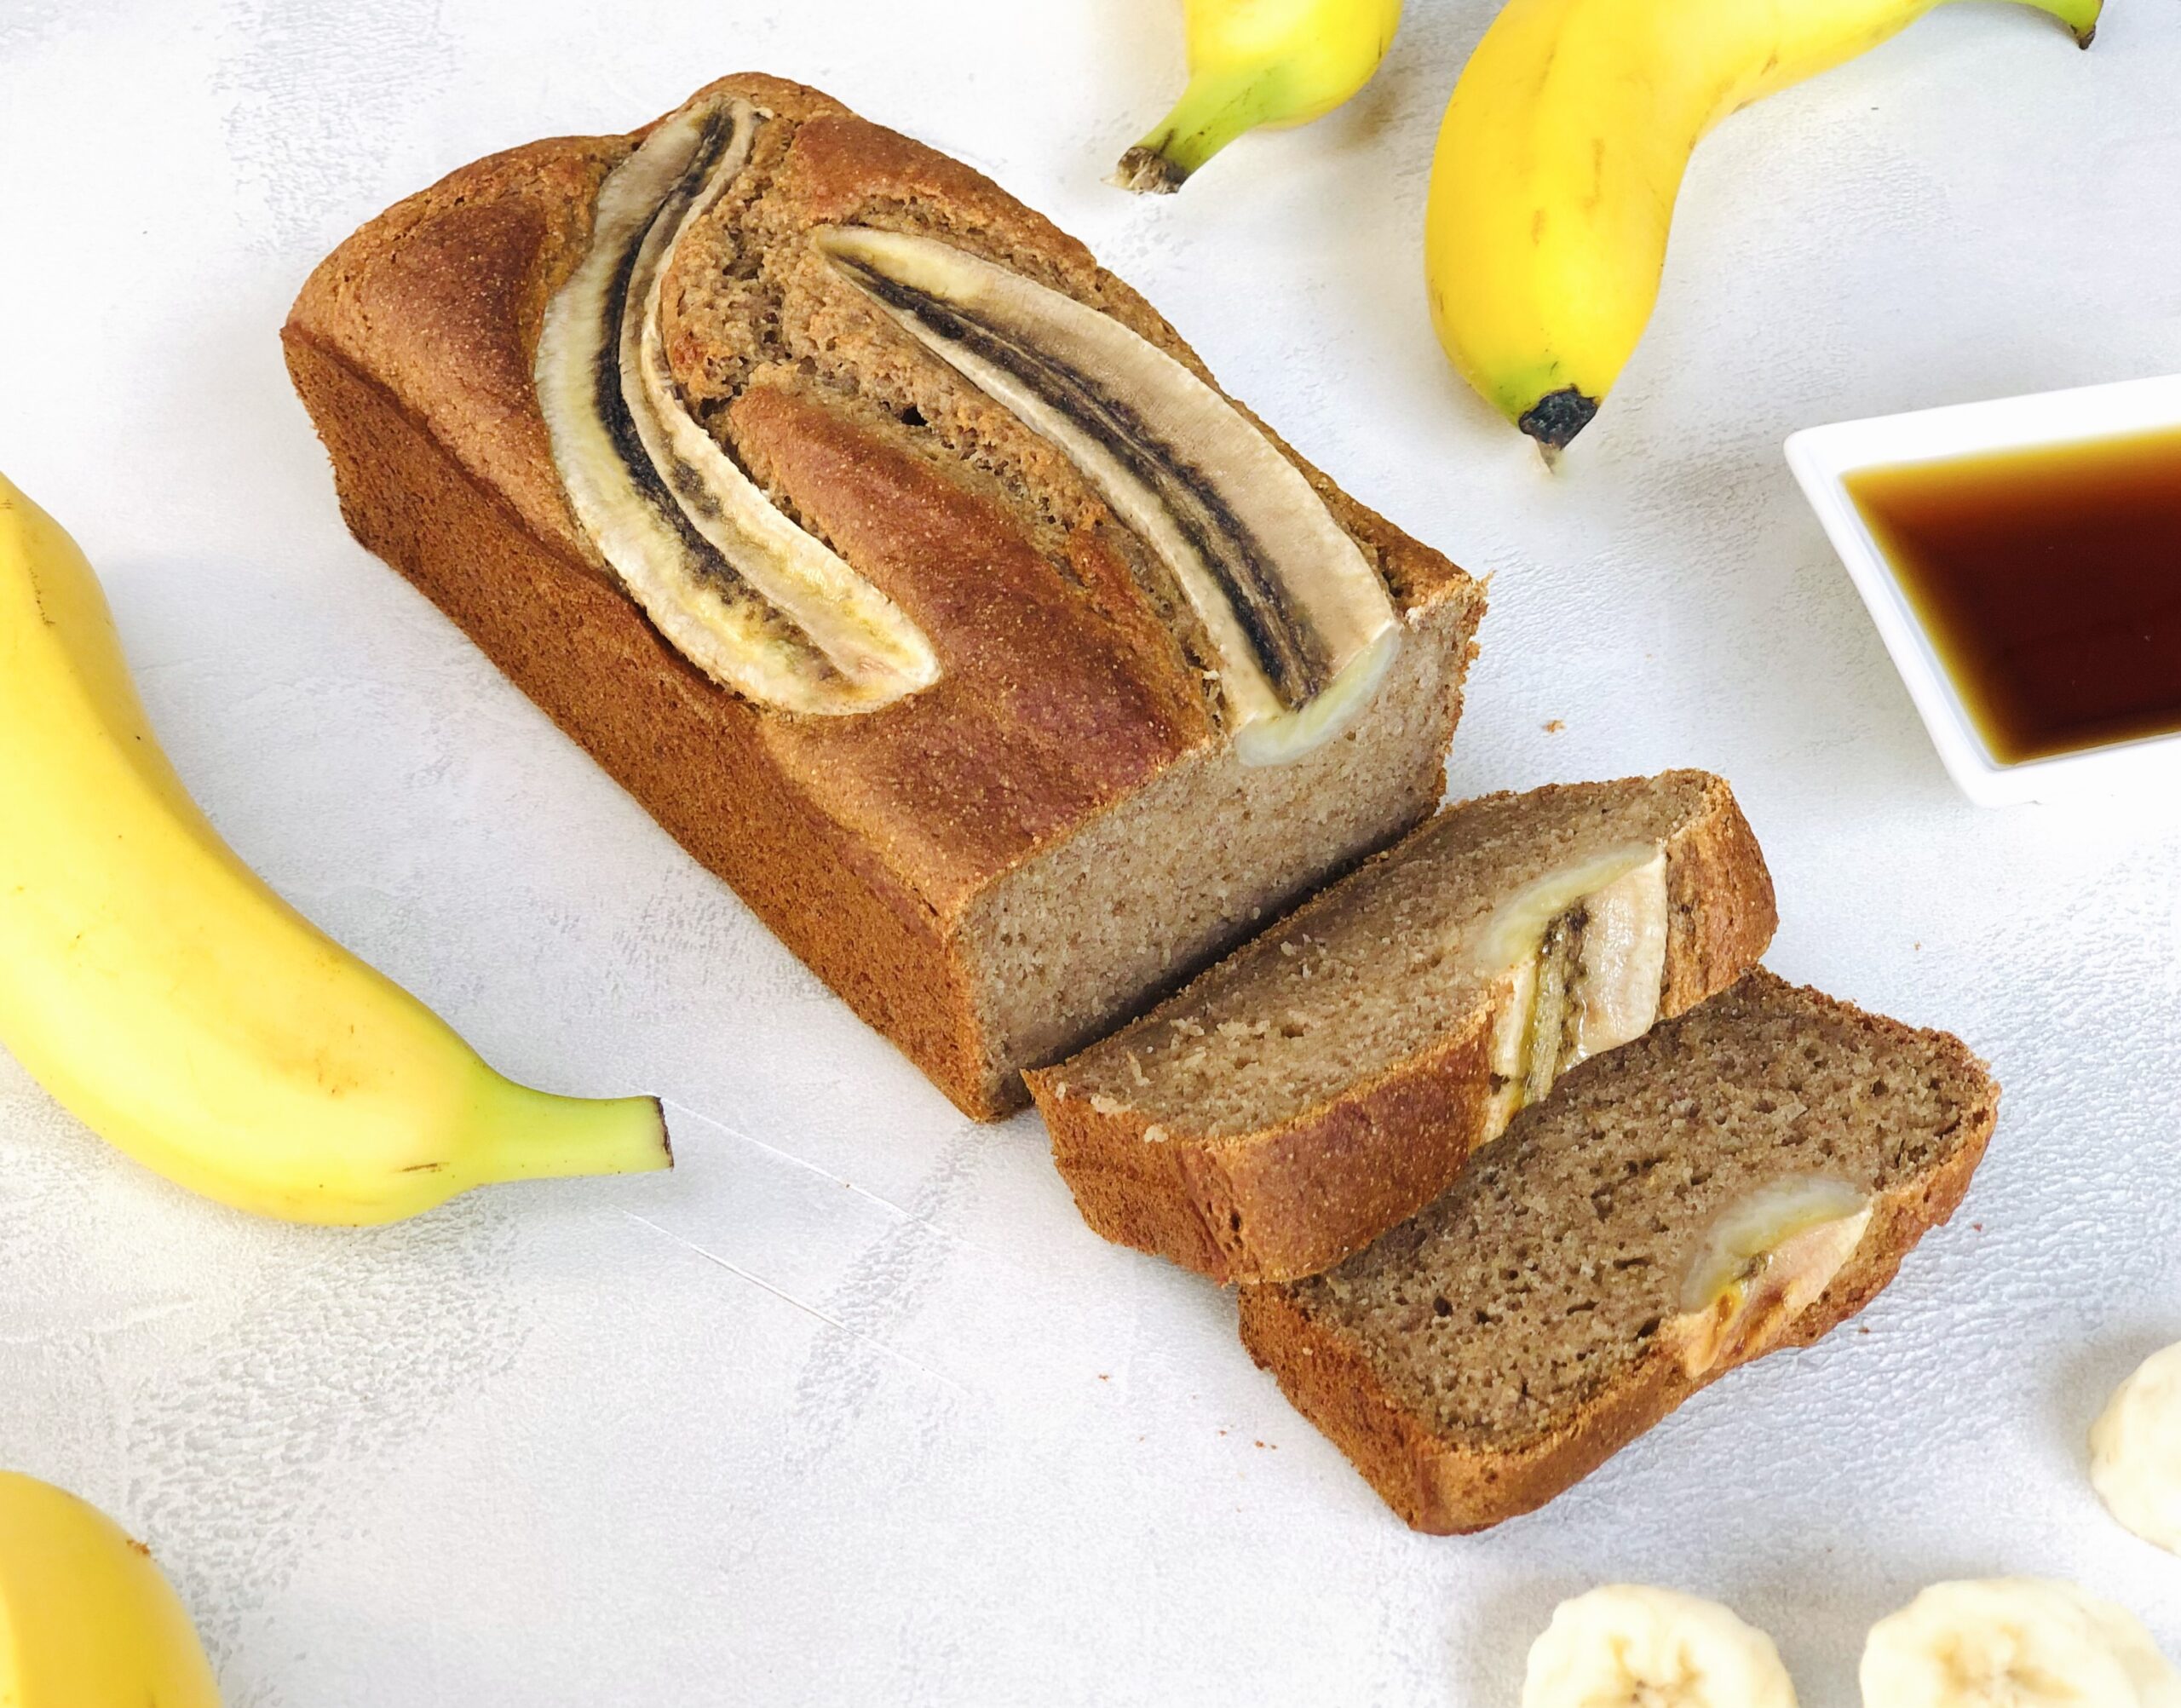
(863, 841)
(575, 643)
(1289, 1201)
(1721, 909)
(1448, 1488)
(1294, 1199)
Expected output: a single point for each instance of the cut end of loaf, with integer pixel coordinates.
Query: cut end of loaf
(1333, 1074)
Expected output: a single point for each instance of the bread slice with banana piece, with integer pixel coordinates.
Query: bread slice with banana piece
(1333, 1076)
(1743, 1178)
(902, 562)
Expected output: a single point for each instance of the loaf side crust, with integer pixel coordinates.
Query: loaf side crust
(1293, 1199)
(865, 842)
(1444, 1488)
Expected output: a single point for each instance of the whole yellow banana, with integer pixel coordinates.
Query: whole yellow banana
(1561, 155)
(153, 984)
(86, 1619)
(1259, 62)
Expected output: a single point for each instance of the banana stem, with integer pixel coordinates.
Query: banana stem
(530, 1135)
(1212, 112)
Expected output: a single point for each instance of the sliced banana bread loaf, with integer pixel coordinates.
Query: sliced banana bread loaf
(901, 561)
(1333, 1076)
(1743, 1178)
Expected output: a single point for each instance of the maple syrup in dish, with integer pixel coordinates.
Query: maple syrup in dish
(2048, 581)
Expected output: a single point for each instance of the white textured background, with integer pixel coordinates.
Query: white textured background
(850, 1407)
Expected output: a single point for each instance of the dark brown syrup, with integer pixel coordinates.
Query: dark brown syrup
(2049, 581)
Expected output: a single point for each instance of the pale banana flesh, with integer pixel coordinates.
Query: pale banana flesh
(1559, 157)
(2135, 1450)
(155, 986)
(86, 1619)
(2027, 1642)
(1259, 64)
(1635, 1646)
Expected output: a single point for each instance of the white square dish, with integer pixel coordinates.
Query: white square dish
(1823, 459)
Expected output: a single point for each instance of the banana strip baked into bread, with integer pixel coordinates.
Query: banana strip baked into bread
(902, 562)
(1743, 1178)
(1333, 1076)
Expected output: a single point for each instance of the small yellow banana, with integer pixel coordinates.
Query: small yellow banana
(153, 984)
(1259, 62)
(86, 1619)
(1561, 155)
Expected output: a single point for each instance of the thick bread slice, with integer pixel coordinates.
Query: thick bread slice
(1334, 1076)
(992, 871)
(1504, 1343)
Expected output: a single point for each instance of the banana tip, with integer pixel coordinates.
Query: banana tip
(1148, 173)
(1558, 416)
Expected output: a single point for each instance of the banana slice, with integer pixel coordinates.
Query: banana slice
(2135, 1450)
(1630, 1646)
(2014, 1643)
(740, 590)
(1764, 1260)
(1585, 951)
(1303, 627)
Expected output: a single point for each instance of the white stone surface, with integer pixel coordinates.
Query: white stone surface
(850, 1407)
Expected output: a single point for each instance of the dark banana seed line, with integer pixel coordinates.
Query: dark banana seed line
(612, 401)
(672, 493)
(1288, 649)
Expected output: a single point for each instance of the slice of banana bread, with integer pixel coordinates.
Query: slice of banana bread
(1743, 1178)
(1333, 1076)
(912, 582)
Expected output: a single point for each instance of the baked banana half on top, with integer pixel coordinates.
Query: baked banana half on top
(902, 562)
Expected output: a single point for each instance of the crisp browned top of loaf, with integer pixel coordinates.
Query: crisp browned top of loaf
(1539, 1286)
(1072, 675)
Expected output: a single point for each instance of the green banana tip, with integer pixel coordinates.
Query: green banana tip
(1558, 416)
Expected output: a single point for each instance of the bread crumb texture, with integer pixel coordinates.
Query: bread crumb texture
(1544, 1278)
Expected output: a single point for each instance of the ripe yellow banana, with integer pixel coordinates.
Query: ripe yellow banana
(86, 1619)
(1259, 62)
(1559, 159)
(154, 985)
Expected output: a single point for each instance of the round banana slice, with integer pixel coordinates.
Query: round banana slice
(2135, 1450)
(1630, 1646)
(2014, 1643)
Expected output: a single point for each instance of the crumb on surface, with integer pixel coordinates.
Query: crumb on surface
(1553, 726)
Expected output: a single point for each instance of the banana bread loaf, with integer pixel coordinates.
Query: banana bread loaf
(901, 561)
(1743, 1178)
(1331, 1077)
